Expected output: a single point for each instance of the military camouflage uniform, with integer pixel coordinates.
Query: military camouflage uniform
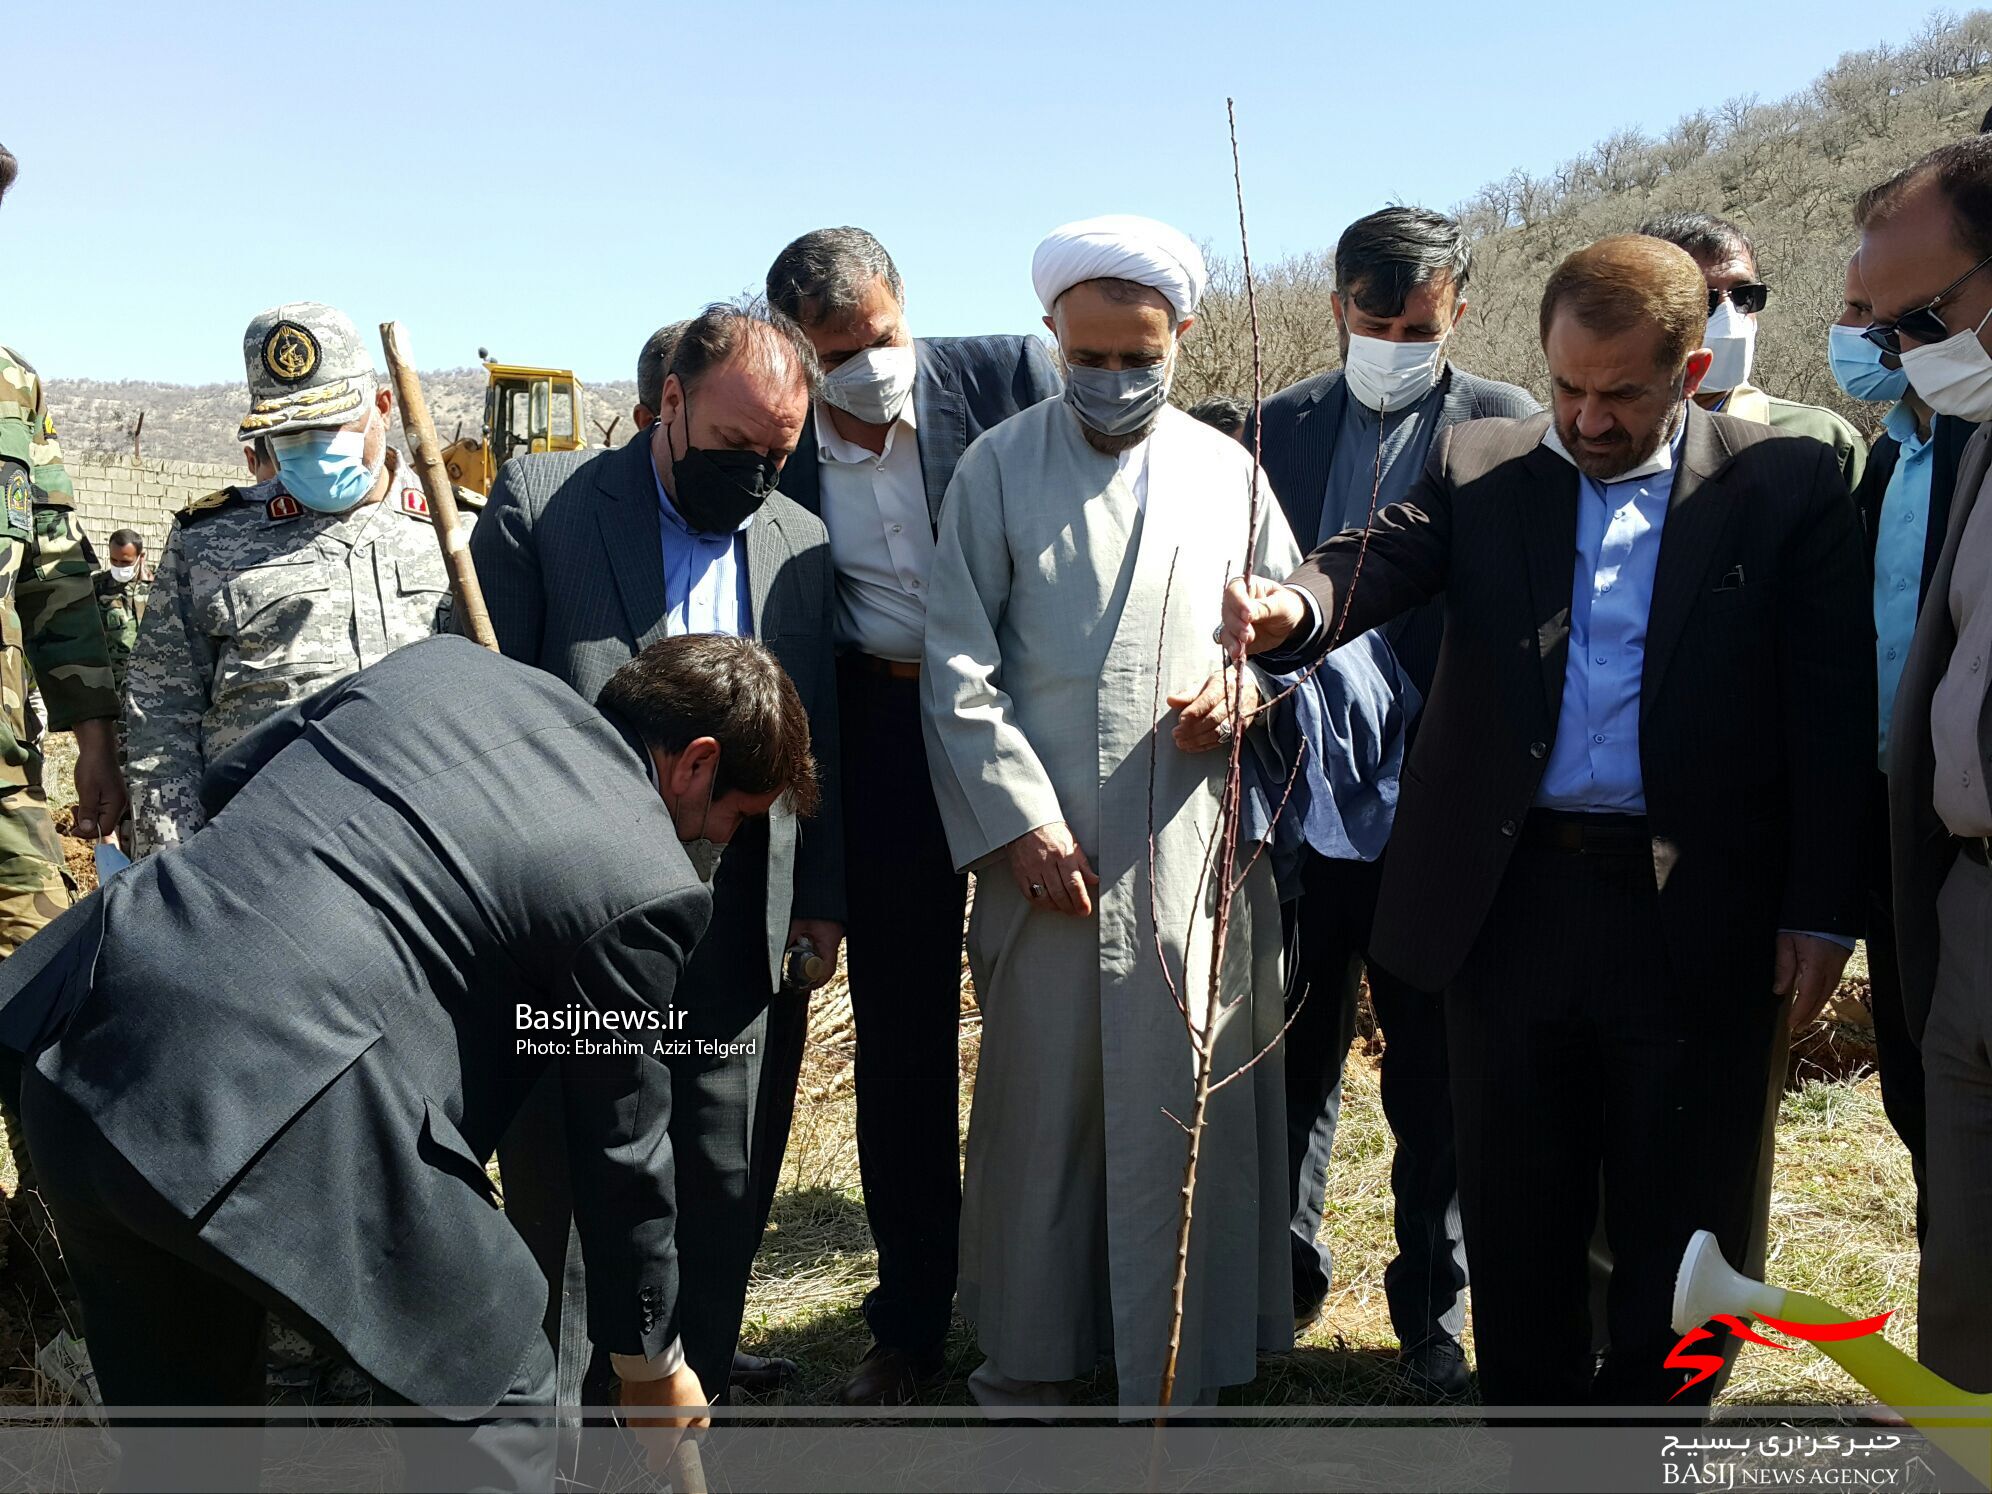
(121, 605)
(48, 618)
(259, 602)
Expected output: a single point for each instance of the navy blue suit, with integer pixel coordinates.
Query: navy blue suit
(903, 897)
(1329, 936)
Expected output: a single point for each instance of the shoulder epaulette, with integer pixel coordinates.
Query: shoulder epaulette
(212, 503)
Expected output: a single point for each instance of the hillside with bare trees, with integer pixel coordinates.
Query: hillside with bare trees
(98, 419)
(1788, 170)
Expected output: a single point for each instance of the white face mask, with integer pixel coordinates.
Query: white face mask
(123, 573)
(1732, 337)
(1954, 376)
(1391, 375)
(873, 385)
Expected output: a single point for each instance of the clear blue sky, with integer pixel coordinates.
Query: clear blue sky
(553, 180)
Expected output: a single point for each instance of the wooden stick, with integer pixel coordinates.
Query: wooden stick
(435, 479)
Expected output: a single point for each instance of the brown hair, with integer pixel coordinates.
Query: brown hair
(1632, 280)
(729, 689)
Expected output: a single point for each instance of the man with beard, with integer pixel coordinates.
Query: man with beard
(265, 1069)
(1072, 602)
(1629, 826)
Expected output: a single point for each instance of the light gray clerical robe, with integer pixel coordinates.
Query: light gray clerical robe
(1045, 622)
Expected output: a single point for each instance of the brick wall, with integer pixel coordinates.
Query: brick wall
(144, 496)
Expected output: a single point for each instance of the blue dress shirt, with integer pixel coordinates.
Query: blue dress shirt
(705, 575)
(1406, 440)
(1899, 540)
(1594, 762)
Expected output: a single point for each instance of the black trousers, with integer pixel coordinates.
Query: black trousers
(1328, 939)
(713, 1120)
(905, 904)
(1953, 1307)
(172, 1322)
(1576, 1056)
(1900, 1063)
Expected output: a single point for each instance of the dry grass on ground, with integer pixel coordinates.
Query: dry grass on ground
(1842, 1226)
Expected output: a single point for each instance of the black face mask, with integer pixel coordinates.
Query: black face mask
(714, 490)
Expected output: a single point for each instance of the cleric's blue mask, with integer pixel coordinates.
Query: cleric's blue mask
(324, 470)
(1858, 369)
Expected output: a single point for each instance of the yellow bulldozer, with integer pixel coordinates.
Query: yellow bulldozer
(525, 410)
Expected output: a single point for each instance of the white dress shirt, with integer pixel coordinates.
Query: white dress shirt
(881, 538)
(1133, 464)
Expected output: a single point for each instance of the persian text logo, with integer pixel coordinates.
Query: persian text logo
(1705, 1365)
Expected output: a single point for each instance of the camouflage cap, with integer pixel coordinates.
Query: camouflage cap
(308, 370)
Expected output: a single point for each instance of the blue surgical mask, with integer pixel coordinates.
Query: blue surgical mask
(1858, 369)
(1115, 402)
(325, 470)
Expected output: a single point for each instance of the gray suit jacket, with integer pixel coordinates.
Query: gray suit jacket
(1298, 430)
(569, 551)
(1921, 849)
(302, 1026)
(962, 386)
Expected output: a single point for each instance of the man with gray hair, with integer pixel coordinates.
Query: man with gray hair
(892, 420)
(588, 557)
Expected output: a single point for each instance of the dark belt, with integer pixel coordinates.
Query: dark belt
(1588, 834)
(1975, 848)
(892, 669)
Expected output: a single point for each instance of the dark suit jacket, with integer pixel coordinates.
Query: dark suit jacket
(396, 869)
(1756, 702)
(1950, 436)
(1921, 849)
(962, 386)
(570, 555)
(1298, 431)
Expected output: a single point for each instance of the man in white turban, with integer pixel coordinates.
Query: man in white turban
(1083, 546)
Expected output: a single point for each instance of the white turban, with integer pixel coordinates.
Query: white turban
(1120, 246)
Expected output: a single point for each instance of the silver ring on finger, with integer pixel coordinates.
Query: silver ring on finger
(1224, 731)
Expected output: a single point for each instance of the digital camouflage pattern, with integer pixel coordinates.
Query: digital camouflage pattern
(48, 619)
(258, 602)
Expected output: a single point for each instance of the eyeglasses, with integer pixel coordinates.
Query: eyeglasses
(1923, 324)
(1749, 298)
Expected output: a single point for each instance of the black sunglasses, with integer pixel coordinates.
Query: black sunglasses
(1923, 323)
(1749, 298)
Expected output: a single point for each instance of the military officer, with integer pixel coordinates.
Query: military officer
(268, 593)
(122, 587)
(48, 620)
(48, 623)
